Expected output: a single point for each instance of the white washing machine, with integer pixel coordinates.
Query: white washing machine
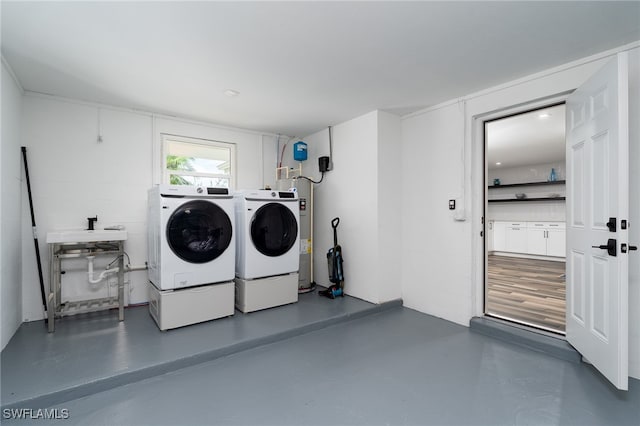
(191, 238)
(268, 248)
(190, 246)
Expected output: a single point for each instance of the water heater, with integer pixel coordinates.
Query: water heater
(303, 187)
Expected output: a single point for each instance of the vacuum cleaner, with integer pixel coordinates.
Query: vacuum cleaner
(334, 262)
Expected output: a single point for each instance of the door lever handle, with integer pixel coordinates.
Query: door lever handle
(610, 247)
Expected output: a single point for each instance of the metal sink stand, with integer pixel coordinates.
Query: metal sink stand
(60, 251)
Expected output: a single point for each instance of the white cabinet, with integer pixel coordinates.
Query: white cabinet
(546, 238)
(535, 238)
(516, 237)
(499, 236)
(490, 236)
(537, 241)
(556, 242)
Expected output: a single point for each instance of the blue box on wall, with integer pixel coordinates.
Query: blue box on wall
(300, 151)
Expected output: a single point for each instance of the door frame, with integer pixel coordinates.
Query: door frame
(479, 189)
(482, 121)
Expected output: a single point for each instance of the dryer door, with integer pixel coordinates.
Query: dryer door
(199, 231)
(274, 229)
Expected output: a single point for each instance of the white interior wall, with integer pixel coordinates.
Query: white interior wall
(74, 177)
(269, 160)
(449, 284)
(528, 173)
(436, 250)
(349, 192)
(10, 202)
(389, 270)
(362, 190)
(546, 211)
(527, 211)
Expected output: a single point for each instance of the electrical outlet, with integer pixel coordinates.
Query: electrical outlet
(452, 204)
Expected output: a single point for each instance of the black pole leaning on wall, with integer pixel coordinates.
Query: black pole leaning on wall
(35, 233)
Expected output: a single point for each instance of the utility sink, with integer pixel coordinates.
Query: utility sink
(85, 236)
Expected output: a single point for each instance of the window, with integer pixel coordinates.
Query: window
(189, 161)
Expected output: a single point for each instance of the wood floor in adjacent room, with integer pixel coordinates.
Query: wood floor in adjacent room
(527, 290)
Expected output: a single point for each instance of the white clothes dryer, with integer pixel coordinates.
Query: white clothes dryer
(267, 225)
(268, 249)
(190, 236)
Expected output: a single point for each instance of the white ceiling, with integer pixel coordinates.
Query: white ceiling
(299, 66)
(527, 139)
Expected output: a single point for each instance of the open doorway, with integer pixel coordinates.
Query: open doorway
(525, 213)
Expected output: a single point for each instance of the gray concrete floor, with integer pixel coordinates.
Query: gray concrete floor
(395, 367)
(93, 352)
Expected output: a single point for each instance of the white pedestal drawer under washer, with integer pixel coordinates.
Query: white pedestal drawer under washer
(267, 226)
(190, 236)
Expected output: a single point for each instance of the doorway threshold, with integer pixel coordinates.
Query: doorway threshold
(526, 337)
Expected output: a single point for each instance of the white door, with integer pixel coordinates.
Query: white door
(598, 189)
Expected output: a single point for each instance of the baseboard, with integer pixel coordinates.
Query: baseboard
(528, 256)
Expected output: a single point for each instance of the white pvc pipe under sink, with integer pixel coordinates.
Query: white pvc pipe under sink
(102, 275)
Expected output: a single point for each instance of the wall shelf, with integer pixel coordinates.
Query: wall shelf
(513, 185)
(509, 200)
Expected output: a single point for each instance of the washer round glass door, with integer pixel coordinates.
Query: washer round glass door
(274, 229)
(199, 231)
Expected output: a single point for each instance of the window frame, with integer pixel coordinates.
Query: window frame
(166, 138)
